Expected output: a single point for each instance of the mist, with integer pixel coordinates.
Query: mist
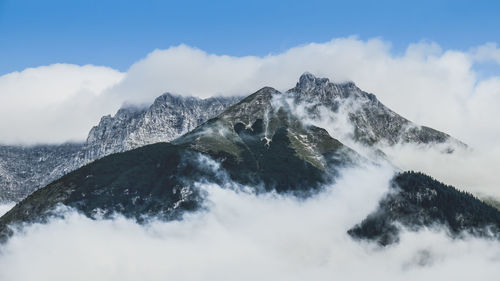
(244, 236)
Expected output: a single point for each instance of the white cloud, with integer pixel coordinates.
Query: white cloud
(54, 103)
(248, 237)
(486, 52)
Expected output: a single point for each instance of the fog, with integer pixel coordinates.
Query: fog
(243, 236)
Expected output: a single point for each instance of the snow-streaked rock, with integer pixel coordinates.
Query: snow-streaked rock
(370, 121)
(167, 118)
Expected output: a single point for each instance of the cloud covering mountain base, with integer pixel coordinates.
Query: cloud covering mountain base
(243, 236)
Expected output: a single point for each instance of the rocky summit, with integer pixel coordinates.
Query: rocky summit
(372, 122)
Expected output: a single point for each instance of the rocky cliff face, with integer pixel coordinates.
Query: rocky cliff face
(25, 169)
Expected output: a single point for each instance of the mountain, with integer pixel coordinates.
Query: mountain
(160, 179)
(262, 143)
(249, 143)
(259, 143)
(24, 169)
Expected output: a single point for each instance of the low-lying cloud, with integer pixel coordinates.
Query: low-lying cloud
(429, 85)
(245, 236)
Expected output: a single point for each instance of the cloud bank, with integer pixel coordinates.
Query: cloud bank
(52, 104)
(248, 237)
(428, 85)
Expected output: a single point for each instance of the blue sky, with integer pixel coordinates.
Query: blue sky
(118, 33)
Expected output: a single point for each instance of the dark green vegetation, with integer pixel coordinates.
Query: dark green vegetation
(421, 201)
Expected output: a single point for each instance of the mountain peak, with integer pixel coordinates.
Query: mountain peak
(309, 81)
(170, 98)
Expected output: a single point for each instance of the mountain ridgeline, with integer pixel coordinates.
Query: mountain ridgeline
(257, 142)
